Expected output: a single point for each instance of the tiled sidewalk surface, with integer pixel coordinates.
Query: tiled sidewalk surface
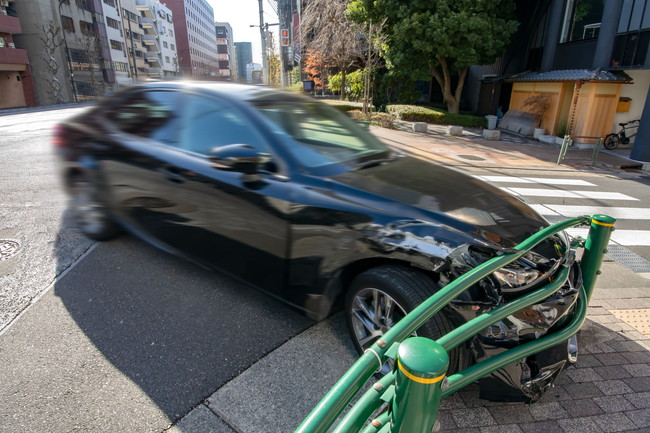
(607, 391)
(510, 151)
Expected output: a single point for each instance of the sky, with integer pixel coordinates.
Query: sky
(241, 14)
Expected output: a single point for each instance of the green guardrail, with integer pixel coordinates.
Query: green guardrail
(414, 388)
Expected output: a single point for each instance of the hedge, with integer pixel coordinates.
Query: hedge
(415, 113)
(344, 106)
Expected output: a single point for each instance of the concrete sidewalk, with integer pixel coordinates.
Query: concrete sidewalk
(510, 151)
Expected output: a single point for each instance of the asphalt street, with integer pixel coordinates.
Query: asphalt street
(119, 336)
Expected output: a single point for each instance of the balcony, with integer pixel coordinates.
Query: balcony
(153, 60)
(142, 6)
(10, 25)
(149, 25)
(14, 56)
(151, 43)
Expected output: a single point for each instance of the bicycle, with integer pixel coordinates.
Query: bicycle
(613, 140)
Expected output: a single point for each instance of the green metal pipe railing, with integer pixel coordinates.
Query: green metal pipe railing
(332, 405)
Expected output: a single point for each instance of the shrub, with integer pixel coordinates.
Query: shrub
(414, 113)
(343, 105)
(385, 120)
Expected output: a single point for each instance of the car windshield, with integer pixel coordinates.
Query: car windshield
(322, 135)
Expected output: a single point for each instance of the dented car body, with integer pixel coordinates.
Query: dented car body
(295, 199)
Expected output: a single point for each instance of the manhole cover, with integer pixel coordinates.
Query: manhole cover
(638, 319)
(8, 248)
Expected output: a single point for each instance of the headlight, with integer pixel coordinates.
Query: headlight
(515, 278)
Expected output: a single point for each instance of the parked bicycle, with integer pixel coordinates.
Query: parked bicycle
(613, 140)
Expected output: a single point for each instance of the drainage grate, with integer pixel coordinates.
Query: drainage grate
(638, 319)
(8, 248)
(628, 258)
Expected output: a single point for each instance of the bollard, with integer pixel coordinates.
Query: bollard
(597, 147)
(600, 231)
(421, 368)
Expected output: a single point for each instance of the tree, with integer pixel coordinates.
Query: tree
(329, 32)
(441, 37)
(315, 69)
(272, 61)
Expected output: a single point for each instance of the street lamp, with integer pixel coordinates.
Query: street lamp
(67, 53)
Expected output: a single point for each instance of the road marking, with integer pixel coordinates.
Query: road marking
(542, 180)
(621, 213)
(628, 238)
(600, 195)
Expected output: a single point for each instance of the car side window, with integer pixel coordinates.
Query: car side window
(212, 123)
(149, 114)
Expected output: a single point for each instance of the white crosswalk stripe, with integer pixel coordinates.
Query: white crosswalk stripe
(542, 180)
(551, 190)
(538, 192)
(630, 213)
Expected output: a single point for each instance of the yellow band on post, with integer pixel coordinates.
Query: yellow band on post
(602, 224)
(419, 379)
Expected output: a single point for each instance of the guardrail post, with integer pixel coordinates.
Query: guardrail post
(421, 368)
(563, 150)
(600, 231)
(597, 148)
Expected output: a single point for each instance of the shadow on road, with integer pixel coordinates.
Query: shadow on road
(177, 331)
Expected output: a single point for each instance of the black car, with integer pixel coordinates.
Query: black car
(295, 198)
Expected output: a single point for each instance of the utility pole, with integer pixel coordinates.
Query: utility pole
(263, 30)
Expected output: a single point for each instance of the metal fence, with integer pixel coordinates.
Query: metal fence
(411, 393)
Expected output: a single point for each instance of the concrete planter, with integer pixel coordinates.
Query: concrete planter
(492, 134)
(454, 130)
(420, 127)
(538, 131)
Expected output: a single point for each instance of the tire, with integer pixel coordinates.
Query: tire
(90, 213)
(611, 141)
(405, 289)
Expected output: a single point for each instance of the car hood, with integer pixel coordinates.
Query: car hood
(409, 188)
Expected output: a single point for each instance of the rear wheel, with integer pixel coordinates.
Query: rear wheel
(90, 213)
(380, 297)
(611, 141)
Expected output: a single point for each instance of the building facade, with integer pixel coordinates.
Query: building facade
(157, 21)
(244, 54)
(590, 58)
(16, 84)
(195, 35)
(254, 73)
(225, 50)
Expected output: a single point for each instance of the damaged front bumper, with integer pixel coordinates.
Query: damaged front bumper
(527, 379)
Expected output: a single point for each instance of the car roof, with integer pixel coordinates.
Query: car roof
(236, 91)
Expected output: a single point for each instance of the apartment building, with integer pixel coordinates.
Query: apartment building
(158, 23)
(196, 41)
(225, 51)
(16, 85)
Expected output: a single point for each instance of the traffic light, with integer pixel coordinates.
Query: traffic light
(284, 37)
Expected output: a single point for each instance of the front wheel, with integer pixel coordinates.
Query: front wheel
(380, 297)
(611, 141)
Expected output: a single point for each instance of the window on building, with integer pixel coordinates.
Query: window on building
(86, 28)
(581, 20)
(110, 2)
(117, 45)
(171, 33)
(167, 59)
(82, 4)
(139, 53)
(67, 23)
(165, 44)
(110, 22)
(173, 47)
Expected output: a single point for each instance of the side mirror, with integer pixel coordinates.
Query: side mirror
(240, 158)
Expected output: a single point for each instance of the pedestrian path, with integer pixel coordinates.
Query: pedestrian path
(547, 196)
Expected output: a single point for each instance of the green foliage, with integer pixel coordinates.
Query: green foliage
(464, 32)
(415, 113)
(343, 106)
(385, 120)
(354, 83)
